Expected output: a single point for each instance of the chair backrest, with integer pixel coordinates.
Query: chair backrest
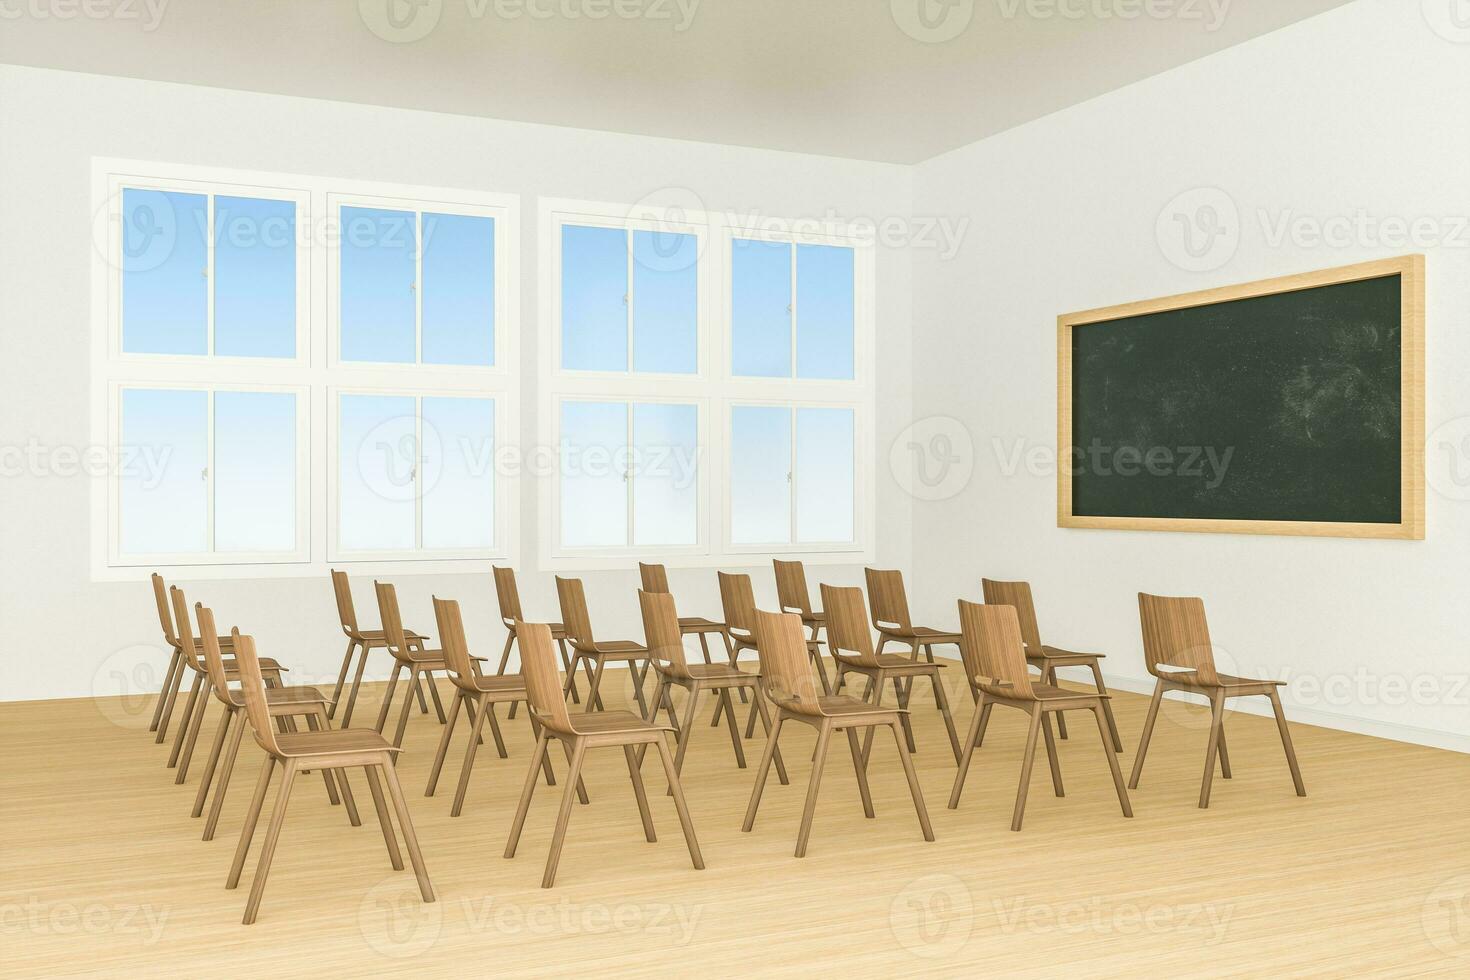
(542, 676)
(791, 590)
(1175, 634)
(252, 689)
(991, 645)
(452, 640)
(507, 594)
(346, 613)
(847, 624)
(1018, 596)
(214, 660)
(786, 669)
(661, 631)
(573, 600)
(185, 633)
(738, 600)
(392, 621)
(160, 599)
(654, 577)
(890, 604)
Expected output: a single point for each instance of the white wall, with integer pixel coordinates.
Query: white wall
(1362, 109)
(68, 636)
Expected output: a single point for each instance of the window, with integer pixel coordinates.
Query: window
(707, 389)
(248, 425)
(209, 474)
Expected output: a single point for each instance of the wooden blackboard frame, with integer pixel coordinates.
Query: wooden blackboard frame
(1410, 268)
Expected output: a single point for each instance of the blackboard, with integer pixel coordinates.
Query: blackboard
(1284, 406)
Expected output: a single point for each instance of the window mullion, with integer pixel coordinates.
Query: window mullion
(209, 470)
(418, 472)
(418, 288)
(791, 309)
(628, 295)
(628, 479)
(208, 273)
(791, 475)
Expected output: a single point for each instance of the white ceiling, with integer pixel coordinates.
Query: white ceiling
(868, 79)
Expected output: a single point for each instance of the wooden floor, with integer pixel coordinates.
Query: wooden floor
(102, 870)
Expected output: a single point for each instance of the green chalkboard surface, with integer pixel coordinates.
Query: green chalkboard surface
(1280, 407)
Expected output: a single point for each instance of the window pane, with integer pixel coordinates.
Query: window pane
(594, 493)
(665, 474)
(459, 472)
(594, 299)
(254, 471)
(824, 314)
(665, 302)
(761, 308)
(459, 289)
(254, 277)
(377, 453)
(378, 255)
(165, 452)
(760, 488)
(165, 272)
(824, 475)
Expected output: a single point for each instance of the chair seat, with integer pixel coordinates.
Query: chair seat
(846, 705)
(1049, 692)
(698, 624)
(611, 722)
(381, 635)
(284, 696)
(719, 672)
(1227, 681)
(889, 661)
(1056, 653)
(501, 684)
(618, 650)
(267, 664)
(938, 636)
(333, 741)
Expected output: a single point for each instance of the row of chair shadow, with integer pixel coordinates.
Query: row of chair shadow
(998, 639)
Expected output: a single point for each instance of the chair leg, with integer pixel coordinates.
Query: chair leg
(405, 826)
(564, 813)
(902, 687)
(212, 763)
(427, 679)
(175, 664)
(381, 807)
(1026, 764)
(1224, 753)
(636, 776)
(172, 693)
(734, 727)
(943, 699)
(252, 816)
(1217, 719)
(407, 709)
(1051, 752)
(914, 790)
(444, 738)
(1148, 731)
(1050, 677)
(182, 731)
(227, 768)
(495, 731)
(268, 846)
(972, 739)
(821, 671)
(416, 689)
(1296, 772)
(772, 737)
(342, 676)
(468, 765)
(688, 730)
(704, 647)
(681, 807)
(545, 759)
(388, 697)
(594, 695)
(1107, 706)
(195, 722)
(510, 639)
(861, 771)
(362, 655)
(984, 723)
(759, 700)
(317, 722)
(1109, 750)
(566, 663)
(819, 759)
(538, 756)
(637, 676)
(875, 685)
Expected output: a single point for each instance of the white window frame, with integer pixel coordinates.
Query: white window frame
(714, 388)
(314, 370)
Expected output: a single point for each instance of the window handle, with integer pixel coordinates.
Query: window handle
(788, 307)
(413, 287)
(204, 473)
(788, 477)
(625, 299)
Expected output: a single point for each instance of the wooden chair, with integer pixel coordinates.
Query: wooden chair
(1047, 658)
(579, 732)
(339, 749)
(995, 658)
(664, 636)
(786, 681)
(656, 579)
(420, 663)
(281, 703)
(509, 598)
(891, 615)
(478, 694)
(191, 659)
(362, 641)
(852, 648)
(1178, 652)
(792, 594)
(586, 649)
(738, 599)
(179, 664)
